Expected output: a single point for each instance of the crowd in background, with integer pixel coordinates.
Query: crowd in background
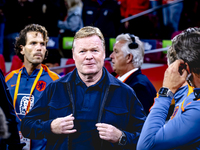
(64, 17)
(64, 114)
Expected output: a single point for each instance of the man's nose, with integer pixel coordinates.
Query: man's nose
(89, 55)
(39, 46)
(111, 55)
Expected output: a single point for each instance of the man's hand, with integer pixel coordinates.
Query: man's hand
(63, 125)
(108, 132)
(172, 78)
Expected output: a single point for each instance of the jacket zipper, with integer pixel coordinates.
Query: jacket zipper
(73, 108)
(101, 111)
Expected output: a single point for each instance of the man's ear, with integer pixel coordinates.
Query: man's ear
(187, 68)
(22, 49)
(73, 54)
(129, 58)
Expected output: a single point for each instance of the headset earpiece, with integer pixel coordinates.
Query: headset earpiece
(133, 45)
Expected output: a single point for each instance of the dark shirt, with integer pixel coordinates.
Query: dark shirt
(87, 103)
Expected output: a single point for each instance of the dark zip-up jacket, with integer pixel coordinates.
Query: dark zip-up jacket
(13, 141)
(120, 108)
(141, 84)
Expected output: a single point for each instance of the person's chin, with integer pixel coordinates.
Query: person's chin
(37, 62)
(89, 71)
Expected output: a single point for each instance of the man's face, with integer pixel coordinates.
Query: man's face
(118, 59)
(89, 55)
(35, 48)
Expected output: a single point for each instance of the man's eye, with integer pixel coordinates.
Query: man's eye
(95, 51)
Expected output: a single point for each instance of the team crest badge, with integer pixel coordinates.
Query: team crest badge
(41, 85)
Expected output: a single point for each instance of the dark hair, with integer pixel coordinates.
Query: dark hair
(22, 39)
(187, 46)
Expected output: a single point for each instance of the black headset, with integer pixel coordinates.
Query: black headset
(132, 45)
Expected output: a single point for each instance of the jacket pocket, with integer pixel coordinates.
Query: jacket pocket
(116, 116)
(59, 109)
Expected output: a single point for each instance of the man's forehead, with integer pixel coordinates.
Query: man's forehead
(120, 42)
(34, 34)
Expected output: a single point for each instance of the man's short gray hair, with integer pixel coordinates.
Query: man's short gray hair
(138, 53)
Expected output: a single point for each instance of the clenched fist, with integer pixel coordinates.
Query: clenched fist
(63, 125)
(108, 132)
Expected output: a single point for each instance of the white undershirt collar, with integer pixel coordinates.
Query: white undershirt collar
(122, 78)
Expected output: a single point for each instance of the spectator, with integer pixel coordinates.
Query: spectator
(87, 109)
(182, 132)
(9, 135)
(127, 58)
(18, 14)
(51, 12)
(190, 14)
(53, 60)
(133, 7)
(73, 21)
(104, 14)
(27, 83)
(171, 17)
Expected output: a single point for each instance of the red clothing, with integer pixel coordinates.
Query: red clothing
(167, 1)
(132, 7)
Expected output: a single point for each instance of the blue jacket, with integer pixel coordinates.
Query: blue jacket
(179, 97)
(26, 83)
(120, 107)
(181, 132)
(144, 89)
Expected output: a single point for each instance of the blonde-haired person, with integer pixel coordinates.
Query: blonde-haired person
(87, 109)
(73, 21)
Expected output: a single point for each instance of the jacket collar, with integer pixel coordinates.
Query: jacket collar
(70, 77)
(133, 75)
(35, 72)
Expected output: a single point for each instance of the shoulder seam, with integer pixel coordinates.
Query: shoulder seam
(10, 75)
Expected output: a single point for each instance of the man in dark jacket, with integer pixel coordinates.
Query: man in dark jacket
(87, 109)
(10, 139)
(127, 59)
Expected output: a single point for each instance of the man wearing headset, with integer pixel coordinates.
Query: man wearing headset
(182, 131)
(127, 58)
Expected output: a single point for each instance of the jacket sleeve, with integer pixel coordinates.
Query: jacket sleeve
(146, 95)
(181, 130)
(13, 141)
(137, 119)
(36, 124)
